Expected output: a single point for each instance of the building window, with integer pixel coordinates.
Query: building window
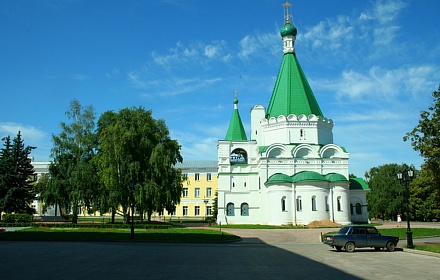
(197, 177)
(208, 210)
(299, 206)
(327, 207)
(245, 184)
(230, 209)
(196, 210)
(185, 210)
(185, 192)
(358, 209)
(185, 176)
(244, 209)
(208, 176)
(313, 203)
(208, 192)
(283, 204)
(197, 192)
(339, 207)
(351, 208)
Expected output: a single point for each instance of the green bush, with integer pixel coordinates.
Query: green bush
(17, 218)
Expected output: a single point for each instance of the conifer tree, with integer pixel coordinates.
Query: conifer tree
(16, 191)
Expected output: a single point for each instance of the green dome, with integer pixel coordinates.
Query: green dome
(279, 178)
(335, 177)
(288, 29)
(308, 176)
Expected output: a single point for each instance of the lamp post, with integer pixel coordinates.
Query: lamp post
(206, 208)
(406, 179)
(132, 187)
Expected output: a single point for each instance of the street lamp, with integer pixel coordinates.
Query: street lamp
(406, 179)
(132, 187)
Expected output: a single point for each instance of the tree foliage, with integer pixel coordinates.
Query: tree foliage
(135, 149)
(16, 191)
(73, 181)
(425, 138)
(387, 196)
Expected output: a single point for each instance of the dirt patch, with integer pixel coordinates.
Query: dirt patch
(322, 224)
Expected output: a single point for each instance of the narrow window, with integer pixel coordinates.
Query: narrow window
(351, 208)
(283, 204)
(299, 204)
(208, 176)
(197, 177)
(197, 192)
(230, 209)
(358, 208)
(327, 207)
(196, 210)
(244, 209)
(185, 192)
(185, 210)
(339, 207)
(208, 192)
(313, 203)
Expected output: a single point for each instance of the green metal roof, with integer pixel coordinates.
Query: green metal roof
(279, 178)
(308, 176)
(335, 177)
(292, 93)
(358, 184)
(236, 130)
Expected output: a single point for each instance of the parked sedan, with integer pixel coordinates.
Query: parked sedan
(350, 237)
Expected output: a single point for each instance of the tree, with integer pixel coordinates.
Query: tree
(386, 197)
(16, 192)
(425, 138)
(73, 180)
(134, 148)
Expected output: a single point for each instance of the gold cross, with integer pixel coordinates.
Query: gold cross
(287, 16)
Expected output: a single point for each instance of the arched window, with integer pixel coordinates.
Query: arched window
(351, 208)
(244, 209)
(339, 206)
(283, 204)
(313, 203)
(327, 207)
(299, 204)
(238, 156)
(230, 209)
(358, 208)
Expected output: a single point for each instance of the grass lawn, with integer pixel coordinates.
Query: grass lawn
(417, 232)
(435, 248)
(111, 234)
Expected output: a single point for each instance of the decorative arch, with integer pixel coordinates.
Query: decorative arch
(332, 151)
(305, 151)
(238, 156)
(278, 151)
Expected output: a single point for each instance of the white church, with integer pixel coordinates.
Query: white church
(289, 172)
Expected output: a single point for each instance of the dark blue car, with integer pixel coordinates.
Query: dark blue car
(350, 237)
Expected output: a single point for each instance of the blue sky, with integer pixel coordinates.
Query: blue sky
(372, 66)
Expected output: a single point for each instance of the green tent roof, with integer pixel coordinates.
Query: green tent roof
(308, 176)
(236, 130)
(292, 93)
(335, 177)
(358, 184)
(279, 178)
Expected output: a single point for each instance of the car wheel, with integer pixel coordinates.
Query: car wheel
(349, 247)
(390, 246)
(338, 248)
(377, 248)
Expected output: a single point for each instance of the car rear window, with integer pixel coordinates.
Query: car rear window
(344, 230)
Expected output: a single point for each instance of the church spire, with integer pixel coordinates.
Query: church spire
(292, 93)
(236, 130)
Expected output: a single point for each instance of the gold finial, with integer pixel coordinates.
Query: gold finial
(287, 15)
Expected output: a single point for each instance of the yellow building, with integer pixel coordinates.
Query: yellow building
(199, 189)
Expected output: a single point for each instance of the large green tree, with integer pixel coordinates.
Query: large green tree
(16, 192)
(425, 138)
(73, 177)
(386, 197)
(136, 150)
